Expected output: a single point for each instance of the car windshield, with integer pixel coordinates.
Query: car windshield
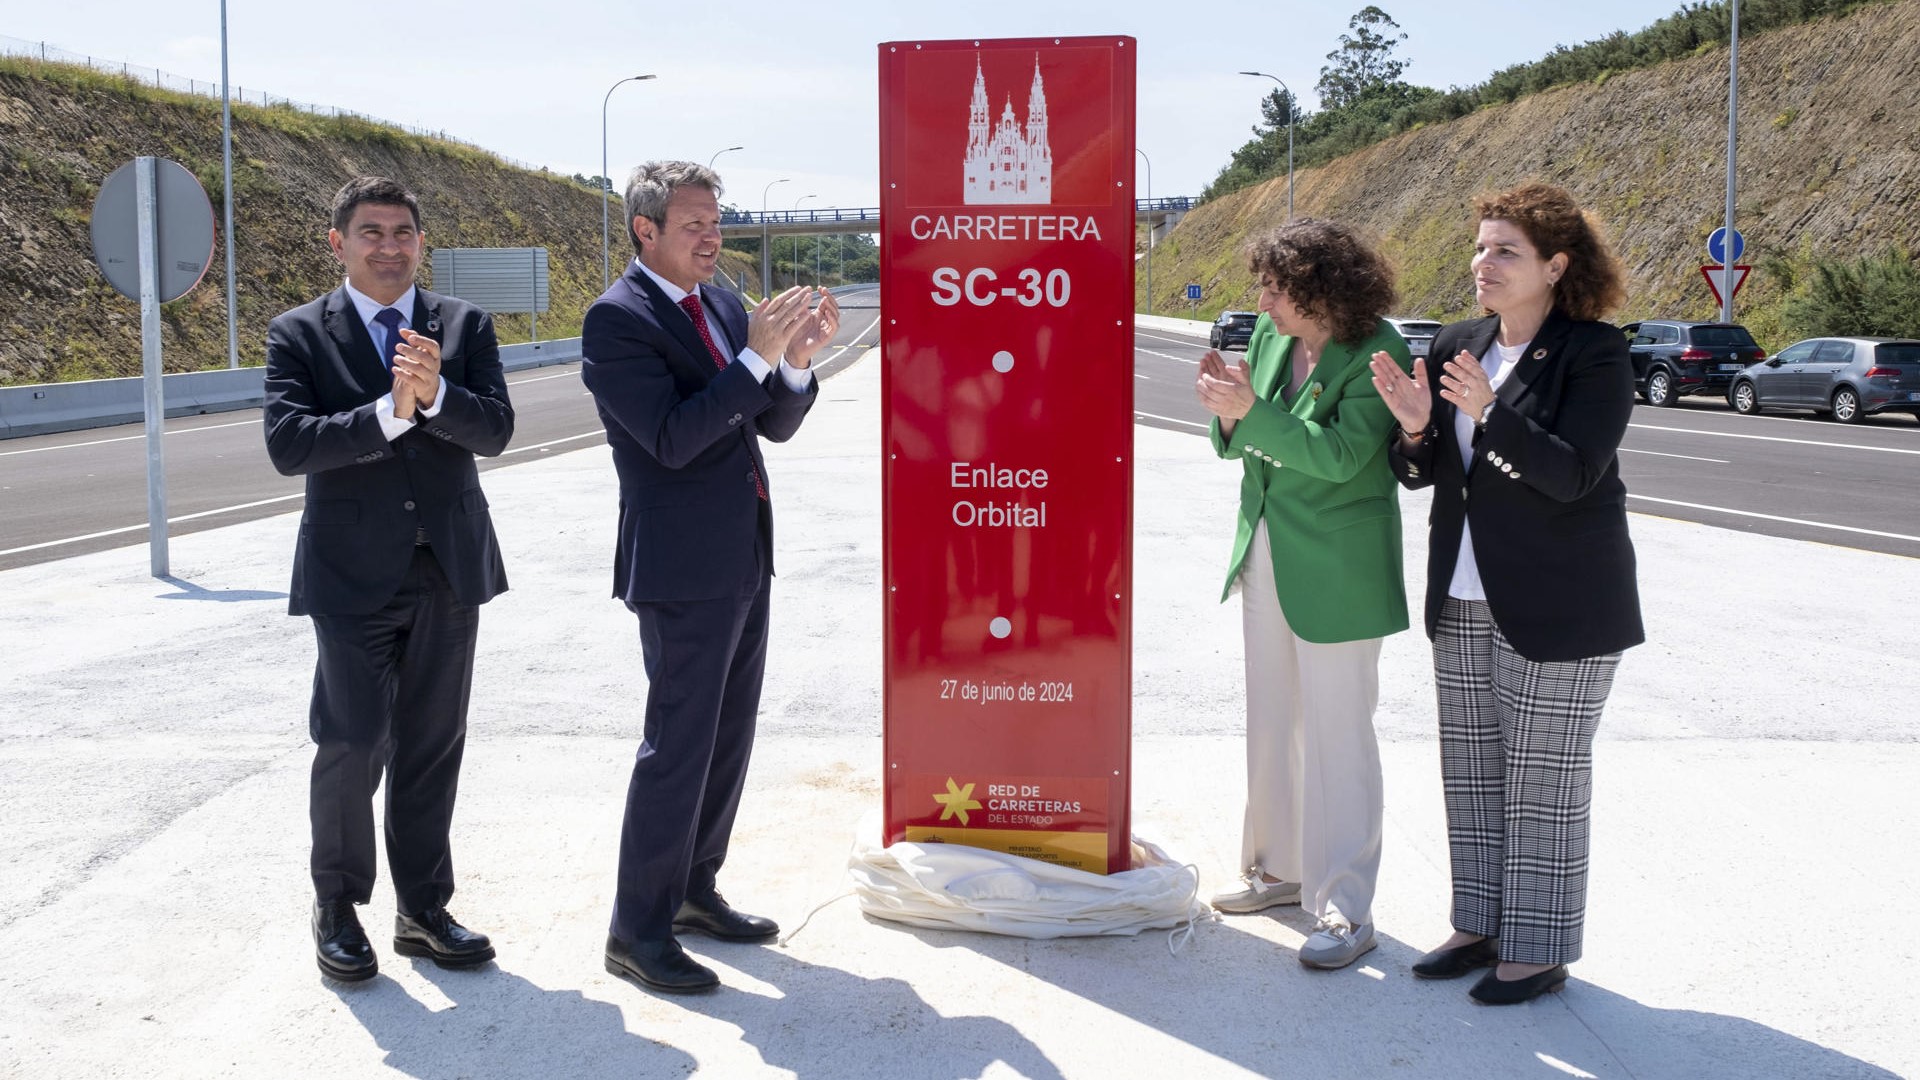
(1427, 328)
(1242, 320)
(1897, 352)
(1723, 336)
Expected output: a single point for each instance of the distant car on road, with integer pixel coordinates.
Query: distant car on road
(1846, 378)
(1672, 358)
(1232, 329)
(1418, 332)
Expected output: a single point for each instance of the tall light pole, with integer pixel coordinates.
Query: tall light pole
(606, 251)
(796, 236)
(1733, 95)
(766, 251)
(816, 254)
(1150, 226)
(1290, 108)
(717, 153)
(226, 199)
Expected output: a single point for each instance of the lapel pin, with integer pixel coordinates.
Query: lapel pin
(1539, 354)
(1316, 391)
(433, 326)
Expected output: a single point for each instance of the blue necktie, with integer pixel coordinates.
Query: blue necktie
(389, 320)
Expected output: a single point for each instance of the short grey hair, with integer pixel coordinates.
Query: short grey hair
(651, 186)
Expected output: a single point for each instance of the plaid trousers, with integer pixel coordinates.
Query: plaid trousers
(1516, 762)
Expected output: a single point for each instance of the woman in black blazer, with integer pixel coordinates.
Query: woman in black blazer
(1531, 595)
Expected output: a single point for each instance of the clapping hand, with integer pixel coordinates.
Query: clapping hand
(1226, 392)
(416, 373)
(772, 322)
(1408, 397)
(813, 331)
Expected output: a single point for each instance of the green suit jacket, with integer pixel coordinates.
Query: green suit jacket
(1318, 474)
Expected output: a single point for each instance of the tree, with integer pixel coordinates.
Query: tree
(1364, 62)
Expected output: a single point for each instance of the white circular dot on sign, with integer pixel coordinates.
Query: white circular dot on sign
(1000, 627)
(1003, 361)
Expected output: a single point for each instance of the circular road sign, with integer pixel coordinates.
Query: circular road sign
(1717, 246)
(184, 229)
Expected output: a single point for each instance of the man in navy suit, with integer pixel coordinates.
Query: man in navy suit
(381, 394)
(687, 382)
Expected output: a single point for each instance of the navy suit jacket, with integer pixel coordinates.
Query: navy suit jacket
(1543, 493)
(685, 437)
(366, 496)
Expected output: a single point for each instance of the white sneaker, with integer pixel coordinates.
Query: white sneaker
(1335, 944)
(1256, 893)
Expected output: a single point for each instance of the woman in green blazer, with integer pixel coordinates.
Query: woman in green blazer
(1316, 554)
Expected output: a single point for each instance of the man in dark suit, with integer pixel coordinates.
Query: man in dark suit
(381, 394)
(687, 382)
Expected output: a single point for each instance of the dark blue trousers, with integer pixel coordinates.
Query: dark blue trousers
(704, 661)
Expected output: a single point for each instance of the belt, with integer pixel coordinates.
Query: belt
(420, 537)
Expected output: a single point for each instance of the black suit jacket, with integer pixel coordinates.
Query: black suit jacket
(685, 437)
(367, 496)
(1543, 493)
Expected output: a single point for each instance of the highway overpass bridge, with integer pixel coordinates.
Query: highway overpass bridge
(745, 224)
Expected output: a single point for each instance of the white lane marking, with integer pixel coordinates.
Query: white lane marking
(1172, 341)
(1684, 457)
(124, 438)
(1145, 378)
(553, 442)
(1777, 438)
(142, 525)
(1137, 415)
(1766, 517)
(544, 378)
(1166, 356)
(850, 344)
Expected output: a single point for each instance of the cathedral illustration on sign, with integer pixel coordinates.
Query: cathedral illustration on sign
(1004, 163)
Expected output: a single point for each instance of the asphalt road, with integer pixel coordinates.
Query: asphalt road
(1807, 479)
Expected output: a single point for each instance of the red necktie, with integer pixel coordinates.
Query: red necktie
(691, 305)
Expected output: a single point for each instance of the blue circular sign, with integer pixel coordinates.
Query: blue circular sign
(1717, 247)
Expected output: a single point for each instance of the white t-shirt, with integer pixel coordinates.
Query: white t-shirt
(1498, 364)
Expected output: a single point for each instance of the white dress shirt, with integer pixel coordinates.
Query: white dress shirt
(1498, 364)
(367, 307)
(797, 379)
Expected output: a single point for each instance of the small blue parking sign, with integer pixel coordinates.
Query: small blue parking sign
(1717, 246)
(1193, 292)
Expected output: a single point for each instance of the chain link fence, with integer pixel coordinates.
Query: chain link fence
(40, 50)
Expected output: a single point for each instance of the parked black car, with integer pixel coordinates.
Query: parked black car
(1847, 378)
(1233, 329)
(1672, 358)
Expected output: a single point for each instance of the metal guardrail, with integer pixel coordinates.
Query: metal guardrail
(871, 214)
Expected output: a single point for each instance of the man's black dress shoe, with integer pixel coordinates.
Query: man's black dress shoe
(1492, 991)
(662, 965)
(1457, 961)
(713, 916)
(434, 935)
(340, 945)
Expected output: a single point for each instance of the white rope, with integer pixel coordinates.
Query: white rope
(817, 908)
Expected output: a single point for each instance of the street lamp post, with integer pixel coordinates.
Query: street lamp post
(1150, 226)
(1290, 107)
(717, 153)
(766, 250)
(796, 236)
(816, 254)
(226, 198)
(606, 251)
(1733, 94)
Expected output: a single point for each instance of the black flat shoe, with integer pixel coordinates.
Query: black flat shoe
(434, 935)
(660, 965)
(1457, 961)
(714, 917)
(1492, 991)
(340, 945)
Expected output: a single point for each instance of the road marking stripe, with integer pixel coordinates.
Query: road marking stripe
(1166, 356)
(1137, 415)
(1687, 457)
(137, 528)
(543, 378)
(1777, 438)
(125, 438)
(1766, 517)
(554, 442)
(1171, 341)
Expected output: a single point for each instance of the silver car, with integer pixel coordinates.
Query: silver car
(1418, 332)
(1847, 378)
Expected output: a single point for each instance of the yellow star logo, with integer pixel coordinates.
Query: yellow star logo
(956, 802)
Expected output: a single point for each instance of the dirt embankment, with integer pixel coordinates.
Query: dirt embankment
(1829, 167)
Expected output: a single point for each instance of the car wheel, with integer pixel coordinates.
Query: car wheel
(1744, 400)
(1660, 388)
(1846, 405)
(1213, 340)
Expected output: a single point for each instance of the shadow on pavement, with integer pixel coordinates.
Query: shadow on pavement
(502, 1025)
(190, 591)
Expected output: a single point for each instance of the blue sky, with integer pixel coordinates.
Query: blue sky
(794, 84)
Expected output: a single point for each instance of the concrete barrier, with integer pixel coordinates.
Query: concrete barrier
(45, 408)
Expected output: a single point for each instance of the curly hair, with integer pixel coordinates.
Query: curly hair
(1327, 271)
(1594, 283)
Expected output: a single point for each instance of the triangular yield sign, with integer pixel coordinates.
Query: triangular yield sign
(1717, 281)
